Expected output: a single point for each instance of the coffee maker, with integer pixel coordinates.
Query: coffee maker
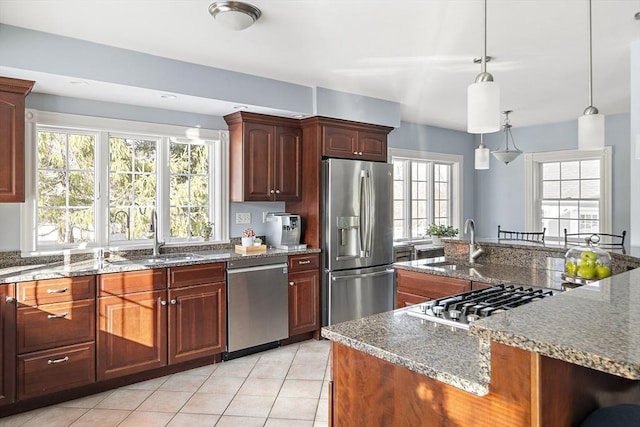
(284, 230)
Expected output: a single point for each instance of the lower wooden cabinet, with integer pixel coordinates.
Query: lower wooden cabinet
(58, 369)
(304, 293)
(415, 287)
(197, 316)
(132, 333)
(7, 344)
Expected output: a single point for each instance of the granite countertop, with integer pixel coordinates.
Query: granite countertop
(489, 273)
(595, 326)
(449, 355)
(25, 273)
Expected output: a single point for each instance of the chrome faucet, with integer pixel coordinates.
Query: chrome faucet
(474, 248)
(154, 229)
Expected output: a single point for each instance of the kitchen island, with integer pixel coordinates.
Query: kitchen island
(550, 362)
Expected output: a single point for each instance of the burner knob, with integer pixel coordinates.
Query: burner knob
(424, 307)
(472, 317)
(437, 310)
(454, 314)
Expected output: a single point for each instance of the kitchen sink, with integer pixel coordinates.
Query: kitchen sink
(160, 259)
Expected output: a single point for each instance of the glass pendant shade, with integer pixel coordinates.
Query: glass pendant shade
(482, 157)
(483, 107)
(506, 156)
(591, 132)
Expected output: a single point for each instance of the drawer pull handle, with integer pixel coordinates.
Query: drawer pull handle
(57, 291)
(53, 362)
(57, 316)
(304, 262)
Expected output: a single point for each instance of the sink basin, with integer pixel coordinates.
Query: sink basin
(160, 259)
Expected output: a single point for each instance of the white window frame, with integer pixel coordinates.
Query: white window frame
(532, 163)
(457, 166)
(103, 127)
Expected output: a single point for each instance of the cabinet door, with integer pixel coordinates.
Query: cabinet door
(339, 142)
(404, 299)
(12, 93)
(7, 344)
(258, 162)
(197, 317)
(132, 333)
(304, 307)
(430, 286)
(288, 164)
(372, 146)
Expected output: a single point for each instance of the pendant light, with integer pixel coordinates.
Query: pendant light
(483, 96)
(482, 155)
(507, 155)
(591, 123)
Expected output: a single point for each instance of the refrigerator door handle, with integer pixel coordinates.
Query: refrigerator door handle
(363, 223)
(370, 207)
(357, 276)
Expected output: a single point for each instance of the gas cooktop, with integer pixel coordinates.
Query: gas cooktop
(462, 309)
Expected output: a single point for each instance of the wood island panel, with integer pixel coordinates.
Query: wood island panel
(430, 286)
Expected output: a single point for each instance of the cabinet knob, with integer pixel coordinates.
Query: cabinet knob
(292, 283)
(174, 302)
(277, 191)
(355, 153)
(359, 153)
(10, 300)
(163, 303)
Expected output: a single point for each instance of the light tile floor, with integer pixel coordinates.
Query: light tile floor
(284, 387)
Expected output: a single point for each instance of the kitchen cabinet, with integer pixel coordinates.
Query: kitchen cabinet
(265, 158)
(55, 335)
(354, 143)
(132, 322)
(7, 344)
(415, 287)
(480, 285)
(197, 311)
(304, 293)
(12, 161)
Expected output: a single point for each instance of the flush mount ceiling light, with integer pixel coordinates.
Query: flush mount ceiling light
(234, 15)
(591, 124)
(482, 155)
(483, 96)
(507, 155)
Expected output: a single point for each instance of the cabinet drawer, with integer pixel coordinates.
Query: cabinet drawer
(132, 281)
(53, 325)
(404, 299)
(56, 290)
(429, 285)
(196, 274)
(304, 262)
(54, 370)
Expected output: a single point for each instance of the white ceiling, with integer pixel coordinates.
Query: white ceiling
(414, 52)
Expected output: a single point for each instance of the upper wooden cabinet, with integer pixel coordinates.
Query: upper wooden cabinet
(265, 158)
(353, 143)
(12, 94)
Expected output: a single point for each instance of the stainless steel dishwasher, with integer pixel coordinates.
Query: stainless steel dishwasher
(257, 302)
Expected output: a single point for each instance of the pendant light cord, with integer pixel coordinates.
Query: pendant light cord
(484, 45)
(590, 60)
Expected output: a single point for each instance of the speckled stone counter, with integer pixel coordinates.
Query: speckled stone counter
(596, 326)
(451, 356)
(22, 273)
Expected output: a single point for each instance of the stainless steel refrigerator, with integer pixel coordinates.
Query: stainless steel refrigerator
(358, 276)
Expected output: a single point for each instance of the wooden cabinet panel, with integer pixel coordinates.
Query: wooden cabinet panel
(131, 333)
(12, 161)
(132, 281)
(404, 299)
(304, 305)
(197, 317)
(7, 344)
(430, 285)
(480, 285)
(372, 145)
(304, 262)
(339, 142)
(54, 370)
(54, 325)
(288, 164)
(56, 290)
(198, 274)
(259, 158)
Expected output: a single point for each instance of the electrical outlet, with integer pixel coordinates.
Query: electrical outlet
(243, 218)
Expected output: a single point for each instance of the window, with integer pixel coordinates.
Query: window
(426, 189)
(83, 202)
(569, 189)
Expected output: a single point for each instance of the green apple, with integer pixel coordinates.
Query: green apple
(589, 255)
(586, 272)
(571, 268)
(602, 271)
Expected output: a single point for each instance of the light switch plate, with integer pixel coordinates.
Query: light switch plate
(243, 217)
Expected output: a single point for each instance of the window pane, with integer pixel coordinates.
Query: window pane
(81, 152)
(550, 209)
(570, 189)
(398, 229)
(570, 170)
(590, 189)
(52, 150)
(550, 171)
(398, 210)
(590, 169)
(551, 189)
(552, 226)
(81, 189)
(568, 209)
